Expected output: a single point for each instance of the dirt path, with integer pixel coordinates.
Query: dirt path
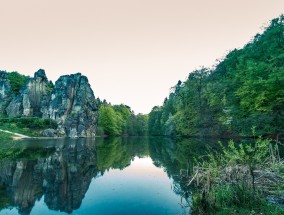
(16, 135)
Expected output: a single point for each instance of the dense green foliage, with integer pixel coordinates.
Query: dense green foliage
(17, 81)
(30, 126)
(120, 120)
(245, 89)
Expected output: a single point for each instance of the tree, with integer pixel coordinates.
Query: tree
(108, 120)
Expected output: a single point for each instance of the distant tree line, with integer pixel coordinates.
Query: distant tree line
(118, 120)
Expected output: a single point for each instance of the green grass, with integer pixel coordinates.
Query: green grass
(30, 126)
(26, 131)
(5, 136)
(233, 199)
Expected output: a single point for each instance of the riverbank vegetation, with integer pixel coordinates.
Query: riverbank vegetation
(243, 90)
(243, 179)
(30, 126)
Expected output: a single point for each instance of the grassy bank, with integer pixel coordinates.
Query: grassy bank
(5, 136)
(240, 180)
(30, 126)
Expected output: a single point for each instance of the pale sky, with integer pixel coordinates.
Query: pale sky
(132, 51)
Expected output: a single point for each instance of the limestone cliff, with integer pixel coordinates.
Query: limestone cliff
(5, 91)
(73, 106)
(71, 103)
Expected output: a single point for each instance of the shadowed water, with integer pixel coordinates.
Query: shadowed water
(97, 176)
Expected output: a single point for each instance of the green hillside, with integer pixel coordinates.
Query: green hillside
(244, 90)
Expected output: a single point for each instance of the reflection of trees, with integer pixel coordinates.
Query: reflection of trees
(112, 153)
(117, 153)
(15, 150)
(177, 155)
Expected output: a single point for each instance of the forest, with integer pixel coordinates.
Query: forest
(242, 91)
(120, 120)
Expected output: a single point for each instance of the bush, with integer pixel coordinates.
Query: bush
(29, 122)
(17, 81)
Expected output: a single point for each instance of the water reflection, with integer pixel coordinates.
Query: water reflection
(110, 176)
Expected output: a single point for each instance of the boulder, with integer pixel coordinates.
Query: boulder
(49, 133)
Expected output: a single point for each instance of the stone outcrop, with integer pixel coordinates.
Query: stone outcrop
(5, 91)
(73, 106)
(71, 103)
(31, 98)
(50, 133)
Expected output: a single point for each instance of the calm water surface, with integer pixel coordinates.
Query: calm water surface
(97, 176)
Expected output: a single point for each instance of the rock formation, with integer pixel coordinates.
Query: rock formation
(71, 103)
(73, 106)
(5, 91)
(32, 97)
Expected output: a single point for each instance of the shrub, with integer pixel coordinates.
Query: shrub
(17, 81)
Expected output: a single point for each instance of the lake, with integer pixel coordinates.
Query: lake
(131, 175)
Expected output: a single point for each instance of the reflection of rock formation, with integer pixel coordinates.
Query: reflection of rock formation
(5, 91)
(67, 175)
(63, 178)
(20, 179)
